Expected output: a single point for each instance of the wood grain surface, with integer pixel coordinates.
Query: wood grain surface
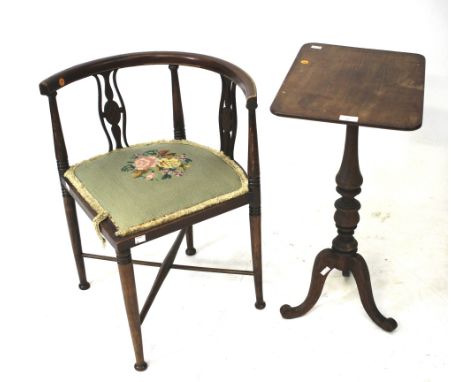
(327, 83)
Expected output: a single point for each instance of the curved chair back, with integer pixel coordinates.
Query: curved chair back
(112, 111)
(113, 114)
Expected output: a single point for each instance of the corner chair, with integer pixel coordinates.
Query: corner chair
(185, 182)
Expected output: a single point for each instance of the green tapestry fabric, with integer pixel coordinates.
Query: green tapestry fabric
(149, 184)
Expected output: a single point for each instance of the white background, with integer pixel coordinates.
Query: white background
(203, 327)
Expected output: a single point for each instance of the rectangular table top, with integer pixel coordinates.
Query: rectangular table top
(339, 84)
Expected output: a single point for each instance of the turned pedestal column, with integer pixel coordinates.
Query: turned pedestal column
(343, 253)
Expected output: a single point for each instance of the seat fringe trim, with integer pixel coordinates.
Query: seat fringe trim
(102, 214)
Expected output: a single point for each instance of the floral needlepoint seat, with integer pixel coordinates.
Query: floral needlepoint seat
(148, 184)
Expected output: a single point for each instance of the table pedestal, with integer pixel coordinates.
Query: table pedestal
(343, 254)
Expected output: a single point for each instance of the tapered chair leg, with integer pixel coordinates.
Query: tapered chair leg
(190, 251)
(74, 230)
(256, 241)
(127, 279)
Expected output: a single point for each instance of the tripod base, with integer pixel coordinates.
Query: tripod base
(325, 262)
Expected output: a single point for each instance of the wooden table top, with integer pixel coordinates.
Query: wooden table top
(367, 87)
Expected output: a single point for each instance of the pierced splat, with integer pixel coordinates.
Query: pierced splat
(112, 113)
(228, 116)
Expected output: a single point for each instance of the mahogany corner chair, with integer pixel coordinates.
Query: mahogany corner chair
(190, 182)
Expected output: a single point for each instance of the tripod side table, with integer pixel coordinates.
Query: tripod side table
(351, 86)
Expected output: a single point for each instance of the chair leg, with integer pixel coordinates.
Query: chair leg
(256, 241)
(74, 230)
(190, 251)
(127, 279)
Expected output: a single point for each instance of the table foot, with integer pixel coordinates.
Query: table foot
(319, 275)
(325, 262)
(360, 272)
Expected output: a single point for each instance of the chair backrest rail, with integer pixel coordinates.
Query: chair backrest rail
(236, 74)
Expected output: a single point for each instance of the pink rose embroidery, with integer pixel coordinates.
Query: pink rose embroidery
(143, 163)
(157, 165)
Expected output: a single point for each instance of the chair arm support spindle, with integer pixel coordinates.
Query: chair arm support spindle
(177, 110)
(253, 167)
(60, 148)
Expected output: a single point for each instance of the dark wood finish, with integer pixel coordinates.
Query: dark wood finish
(255, 235)
(253, 167)
(127, 279)
(179, 133)
(161, 276)
(112, 113)
(190, 251)
(228, 116)
(125, 242)
(383, 89)
(255, 209)
(351, 86)
(75, 239)
(316, 285)
(349, 181)
(177, 110)
(175, 266)
(78, 72)
(60, 148)
(61, 157)
(343, 254)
